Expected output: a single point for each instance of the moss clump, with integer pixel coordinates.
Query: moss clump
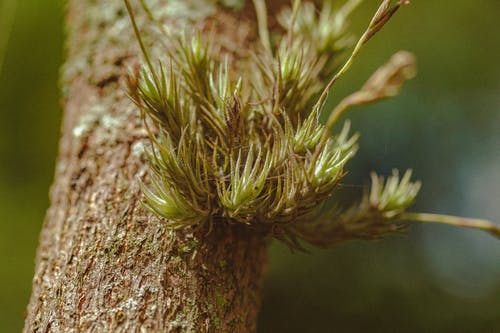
(241, 141)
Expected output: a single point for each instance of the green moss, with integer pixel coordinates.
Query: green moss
(191, 10)
(189, 246)
(233, 4)
(188, 317)
(221, 301)
(213, 316)
(244, 143)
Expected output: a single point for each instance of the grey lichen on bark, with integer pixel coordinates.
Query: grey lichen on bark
(104, 264)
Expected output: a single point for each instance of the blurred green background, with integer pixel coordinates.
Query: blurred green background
(445, 125)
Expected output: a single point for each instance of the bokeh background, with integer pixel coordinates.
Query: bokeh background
(445, 126)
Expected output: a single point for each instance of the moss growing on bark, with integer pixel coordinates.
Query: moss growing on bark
(238, 140)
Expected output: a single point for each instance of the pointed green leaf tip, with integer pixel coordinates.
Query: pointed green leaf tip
(241, 142)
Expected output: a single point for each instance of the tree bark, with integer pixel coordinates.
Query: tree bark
(104, 264)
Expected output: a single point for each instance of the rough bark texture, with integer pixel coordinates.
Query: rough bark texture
(104, 264)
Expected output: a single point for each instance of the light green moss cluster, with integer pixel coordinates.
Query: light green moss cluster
(233, 4)
(241, 142)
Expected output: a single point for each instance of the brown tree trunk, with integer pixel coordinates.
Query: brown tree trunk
(104, 264)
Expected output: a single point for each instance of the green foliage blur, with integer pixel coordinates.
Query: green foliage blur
(445, 126)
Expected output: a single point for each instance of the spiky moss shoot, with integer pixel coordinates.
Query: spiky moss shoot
(241, 142)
